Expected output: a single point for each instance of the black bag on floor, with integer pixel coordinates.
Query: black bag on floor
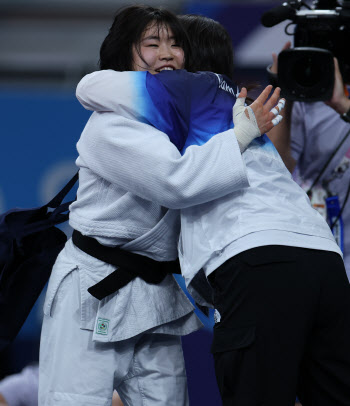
(29, 245)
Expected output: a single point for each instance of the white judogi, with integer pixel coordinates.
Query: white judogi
(81, 365)
(128, 172)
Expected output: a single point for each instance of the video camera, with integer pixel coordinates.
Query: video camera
(306, 72)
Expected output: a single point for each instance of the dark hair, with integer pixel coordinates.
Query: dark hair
(127, 29)
(211, 45)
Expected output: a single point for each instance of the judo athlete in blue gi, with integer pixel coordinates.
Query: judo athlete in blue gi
(278, 278)
(130, 174)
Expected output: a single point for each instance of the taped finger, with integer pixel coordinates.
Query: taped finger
(277, 109)
(277, 120)
(240, 101)
(281, 104)
(238, 107)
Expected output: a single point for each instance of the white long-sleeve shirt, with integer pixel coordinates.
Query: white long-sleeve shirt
(316, 131)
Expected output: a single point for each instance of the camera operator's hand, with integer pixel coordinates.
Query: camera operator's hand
(274, 66)
(258, 118)
(339, 101)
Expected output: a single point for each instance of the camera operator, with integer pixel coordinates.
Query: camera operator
(307, 138)
(314, 137)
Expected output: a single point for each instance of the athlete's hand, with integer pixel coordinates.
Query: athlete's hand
(252, 121)
(267, 112)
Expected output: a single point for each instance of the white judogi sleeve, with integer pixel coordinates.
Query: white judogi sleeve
(118, 146)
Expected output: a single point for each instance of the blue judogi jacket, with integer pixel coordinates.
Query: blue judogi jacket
(189, 107)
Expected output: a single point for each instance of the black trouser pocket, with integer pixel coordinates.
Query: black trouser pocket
(235, 357)
(227, 339)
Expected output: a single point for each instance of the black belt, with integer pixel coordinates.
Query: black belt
(129, 265)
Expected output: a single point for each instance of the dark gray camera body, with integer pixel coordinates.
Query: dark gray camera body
(306, 72)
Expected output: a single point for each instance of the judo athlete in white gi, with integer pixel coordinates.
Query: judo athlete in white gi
(260, 246)
(130, 173)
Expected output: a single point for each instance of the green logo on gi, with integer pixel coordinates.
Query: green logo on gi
(102, 326)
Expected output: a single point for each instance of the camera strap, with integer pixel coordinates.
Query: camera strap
(325, 166)
(343, 162)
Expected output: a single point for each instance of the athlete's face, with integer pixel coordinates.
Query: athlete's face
(158, 51)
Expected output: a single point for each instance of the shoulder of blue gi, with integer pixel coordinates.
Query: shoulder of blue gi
(213, 98)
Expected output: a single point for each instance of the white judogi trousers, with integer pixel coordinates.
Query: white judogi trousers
(146, 370)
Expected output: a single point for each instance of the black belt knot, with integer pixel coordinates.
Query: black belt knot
(130, 266)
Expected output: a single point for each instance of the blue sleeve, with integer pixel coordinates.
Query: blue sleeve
(211, 113)
(206, 96)
(161, 100)
(189, 107)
